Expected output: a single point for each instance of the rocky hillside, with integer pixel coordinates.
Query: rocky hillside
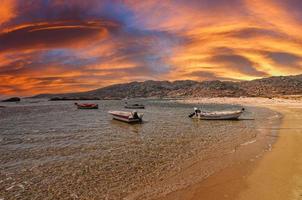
(274, 86)
(266, 87)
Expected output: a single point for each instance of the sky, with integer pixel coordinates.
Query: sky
(56, 46)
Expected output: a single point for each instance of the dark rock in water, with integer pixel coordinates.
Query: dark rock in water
(13, 99)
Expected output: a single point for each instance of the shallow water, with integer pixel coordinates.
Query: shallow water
(51, 150)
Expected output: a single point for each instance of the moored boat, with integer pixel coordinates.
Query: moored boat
(134, 106)
(129, 117)
(217, 115)
(86, 105)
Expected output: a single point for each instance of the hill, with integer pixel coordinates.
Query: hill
(266, 87)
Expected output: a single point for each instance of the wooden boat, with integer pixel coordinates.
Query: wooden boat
(87, 105)
(129, 117)
(134, 106)
(217, 115)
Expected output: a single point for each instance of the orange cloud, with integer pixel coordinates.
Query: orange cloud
(60, 47)
(7, 10)
(54, 35)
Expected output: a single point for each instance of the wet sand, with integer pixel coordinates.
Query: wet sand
(277, 174)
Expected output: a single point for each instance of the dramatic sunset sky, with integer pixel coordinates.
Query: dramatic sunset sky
(52, 46)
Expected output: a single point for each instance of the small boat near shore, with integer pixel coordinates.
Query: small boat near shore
(86, 105)
(129, 117)
(217, 115)
(134, 106)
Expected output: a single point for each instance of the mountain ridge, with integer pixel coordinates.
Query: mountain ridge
(265, 87)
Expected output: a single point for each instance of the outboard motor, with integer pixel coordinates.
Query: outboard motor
(196, 111)
(135, 115)
(192, 114)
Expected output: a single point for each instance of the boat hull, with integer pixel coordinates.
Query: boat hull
(85, 108)
(119, 118)
(125, 117)
(135, 107)
(90, 106)
(220, 115)
(223, 117)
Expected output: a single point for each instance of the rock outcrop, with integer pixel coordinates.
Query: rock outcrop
(13, 99)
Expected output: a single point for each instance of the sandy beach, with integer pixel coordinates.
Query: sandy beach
(277, 174)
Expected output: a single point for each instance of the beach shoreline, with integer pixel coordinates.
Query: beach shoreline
(209, 159)
(277, 174)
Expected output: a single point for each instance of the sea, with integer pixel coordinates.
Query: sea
(51, 150)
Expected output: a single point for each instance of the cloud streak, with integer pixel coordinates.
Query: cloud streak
(63, 46)
(55, 35)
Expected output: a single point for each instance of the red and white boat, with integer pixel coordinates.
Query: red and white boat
(87, 105)
(128, 117)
